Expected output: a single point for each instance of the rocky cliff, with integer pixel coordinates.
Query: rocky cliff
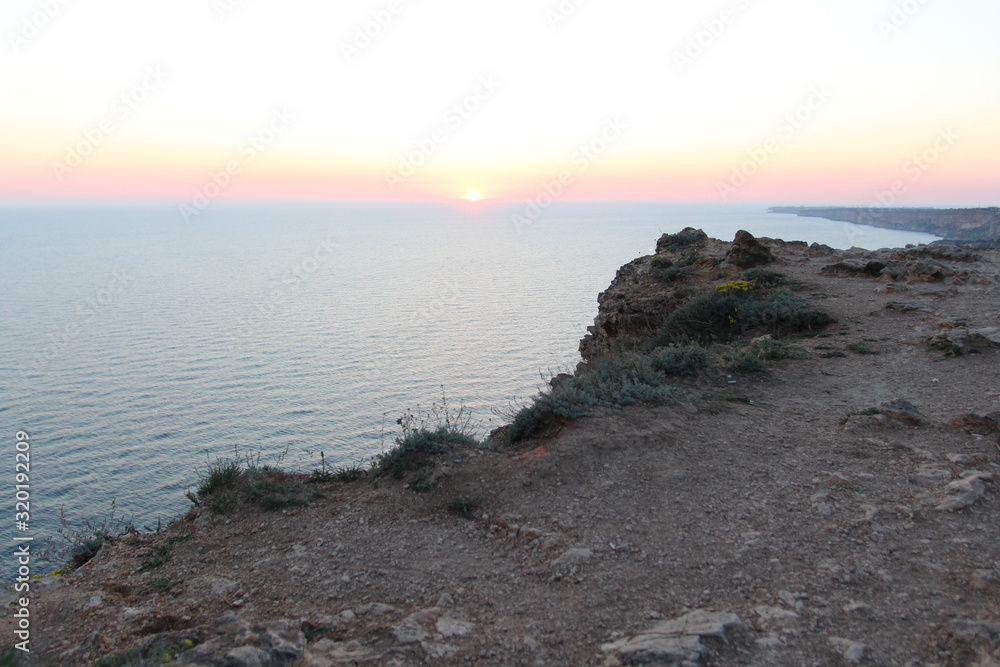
(837, 506)
(959, 224)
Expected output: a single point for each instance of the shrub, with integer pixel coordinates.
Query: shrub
(465, 507)
(669, 275)
(413, 449)
(275, 494)
(220, 475)
(680, 360)
(735, 307)
(87, 548)
(685, 238)
(861, 348)
(772, 350)
(765, 278)
(618, 382)
(746, 362)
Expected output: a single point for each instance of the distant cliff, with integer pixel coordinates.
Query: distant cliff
(959, 224)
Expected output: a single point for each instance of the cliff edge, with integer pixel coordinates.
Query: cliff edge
(835, 502)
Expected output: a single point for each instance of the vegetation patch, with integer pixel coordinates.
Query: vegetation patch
(154, 655)
(861, 348)
(766, 278)
(618, 382)
(465, 507)
(228, 484)
(680, 360)
(736, 307)
(745, 363)
(685, 238)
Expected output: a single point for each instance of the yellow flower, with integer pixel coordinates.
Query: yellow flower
(735, 286)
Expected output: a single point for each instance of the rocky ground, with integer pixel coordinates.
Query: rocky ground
(840, 509)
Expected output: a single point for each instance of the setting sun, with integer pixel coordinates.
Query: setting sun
(472, 196)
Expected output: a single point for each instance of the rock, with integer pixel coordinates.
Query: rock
(854, 608)
(449, 627)
(851, 651)
(559, 380)
(747, 251)
(871, 268)
(962, 493)
(408, 632)
(973, 630)
(573, 556)
(768, 642)
(907, 306)
(438, 651)
(775, 614)
(839, 479)
(981, 424)
(375, 609)
(902, 410)
(674, 642)
(984, 579)
(222, 587)
(94, 601)
(686, 238)
(248, 656)
(933, 472)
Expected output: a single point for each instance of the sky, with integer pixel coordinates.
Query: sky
(851, 102)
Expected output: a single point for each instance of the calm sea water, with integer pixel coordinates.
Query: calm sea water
(137, 348)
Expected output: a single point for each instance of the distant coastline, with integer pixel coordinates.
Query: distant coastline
(965, 226)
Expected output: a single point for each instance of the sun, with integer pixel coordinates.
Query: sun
(472, 196)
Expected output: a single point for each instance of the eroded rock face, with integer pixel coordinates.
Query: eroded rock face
(747, 252)
(638, 301)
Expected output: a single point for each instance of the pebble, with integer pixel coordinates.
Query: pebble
(851, 651)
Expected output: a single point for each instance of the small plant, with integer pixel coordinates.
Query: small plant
(680, 360)
(221, 474)
(158, 557)
(835, 354)
(670, 275)
(314, 633)
(949, 348)
(349, 474)
(412, 449)
(735, 287)
(465, 507)
(154, 655)
(861, 348)
(87, 548)
(746, 362)
(765, 277)
(772, 350)
(618, 382)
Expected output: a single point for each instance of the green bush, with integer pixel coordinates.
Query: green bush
(683, 239)
(746, 362)
(412, 451)
(765, 277)
(219, 475)
(87, 548)
(725, 313)
(465, 507)
(618, 382)
(680, 360)
(669, 275)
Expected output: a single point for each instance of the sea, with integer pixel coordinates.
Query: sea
(139, 347)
